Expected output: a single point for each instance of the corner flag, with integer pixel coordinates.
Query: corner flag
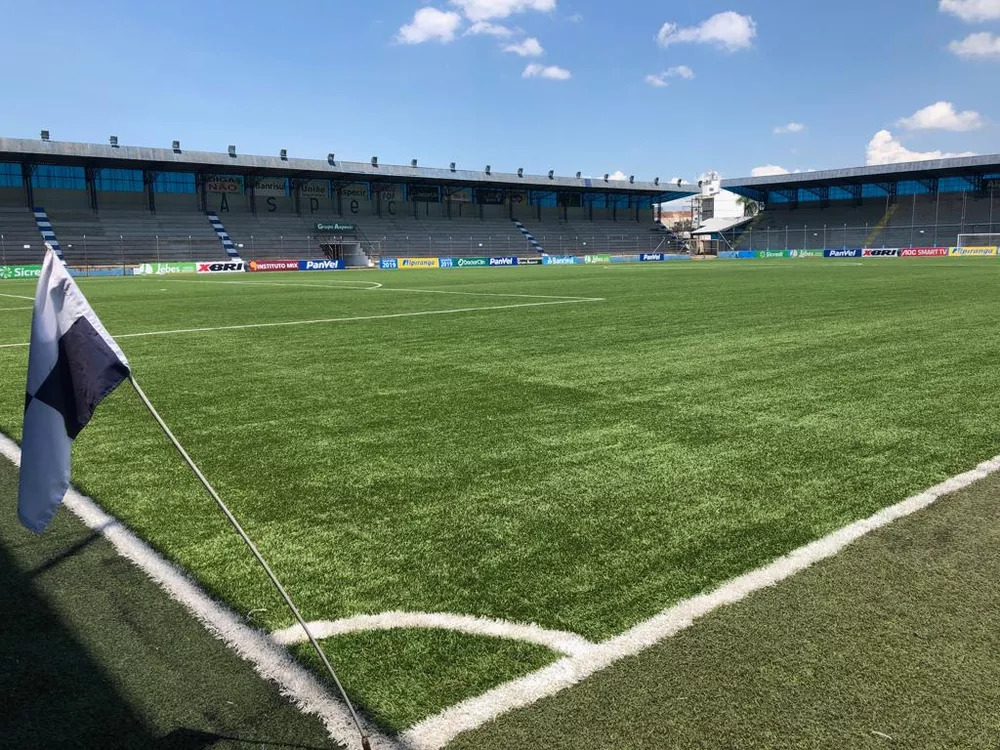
(73, 363)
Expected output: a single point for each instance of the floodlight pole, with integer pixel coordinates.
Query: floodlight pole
(256, 553)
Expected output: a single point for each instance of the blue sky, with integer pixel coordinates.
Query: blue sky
(588, 93)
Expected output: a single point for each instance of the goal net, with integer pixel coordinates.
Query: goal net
(978, 240)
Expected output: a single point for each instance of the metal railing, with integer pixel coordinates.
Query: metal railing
(122, 250)
(812, 237)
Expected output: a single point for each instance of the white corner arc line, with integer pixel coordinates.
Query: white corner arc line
(436, 731)
(17, 296)
(560, 641)
(318, 321)
(270, 660)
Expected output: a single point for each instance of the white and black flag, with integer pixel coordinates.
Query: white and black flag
(73, 363)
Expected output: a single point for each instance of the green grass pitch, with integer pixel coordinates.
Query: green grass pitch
(579, 465)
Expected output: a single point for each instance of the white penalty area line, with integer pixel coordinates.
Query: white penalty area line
(436, 731)
(320, 321)
(269, 660)
(12, 309)
(18, 296)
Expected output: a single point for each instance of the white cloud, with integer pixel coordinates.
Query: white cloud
(659, 80)
(942, 116)
(429, 24)
(983, 45)
(618, 175)
(884, 149)
(972, 10)
(528, 48)
(728, 30)
(673, 180)
(767, 170)
(792, 127)
(484, 10)
(553, 72)
(490, 29)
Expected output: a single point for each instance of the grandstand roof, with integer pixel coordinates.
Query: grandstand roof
(23, 150)
(964, 166)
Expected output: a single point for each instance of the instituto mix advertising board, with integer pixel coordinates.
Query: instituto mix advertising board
(258, 266)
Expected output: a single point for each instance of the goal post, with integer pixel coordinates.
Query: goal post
(979, 239)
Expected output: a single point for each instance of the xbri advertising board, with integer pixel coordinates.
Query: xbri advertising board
(237, 266)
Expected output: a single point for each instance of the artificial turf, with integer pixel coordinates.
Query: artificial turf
(577, 465)
(893, 643)
(94, 655)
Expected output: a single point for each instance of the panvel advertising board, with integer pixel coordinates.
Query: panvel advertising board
(321, 265)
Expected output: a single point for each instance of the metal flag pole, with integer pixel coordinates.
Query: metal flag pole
(256, 553)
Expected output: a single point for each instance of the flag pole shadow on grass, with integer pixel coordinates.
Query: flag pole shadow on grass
(73, 364)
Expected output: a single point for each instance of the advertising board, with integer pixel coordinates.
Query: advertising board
(321, 265)
(220, 266)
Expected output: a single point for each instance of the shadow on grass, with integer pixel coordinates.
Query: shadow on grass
(54, 693)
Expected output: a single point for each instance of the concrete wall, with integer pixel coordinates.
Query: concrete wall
(12, 197)
(125, 201)
(176, 202)
(73, 200)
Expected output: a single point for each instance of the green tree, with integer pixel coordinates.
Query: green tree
(750, 206)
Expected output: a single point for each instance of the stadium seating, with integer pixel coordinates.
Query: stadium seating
(115, 236)
(130, 236)
(17, 229)
(909, 221)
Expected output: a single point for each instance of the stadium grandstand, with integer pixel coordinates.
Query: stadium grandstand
(942, 202)
(118, 204)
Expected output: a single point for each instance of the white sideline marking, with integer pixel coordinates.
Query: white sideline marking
(242, 326)
(18, 296)
(376, 285)
(372, 284)
(11, 309)
(436, 731)
(493, 294)
(269, 660)
(563, 642)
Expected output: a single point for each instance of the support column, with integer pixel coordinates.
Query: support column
(27, 173)
(90, 177)
(148, 178)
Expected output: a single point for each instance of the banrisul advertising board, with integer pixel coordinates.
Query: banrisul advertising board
(20, 272)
